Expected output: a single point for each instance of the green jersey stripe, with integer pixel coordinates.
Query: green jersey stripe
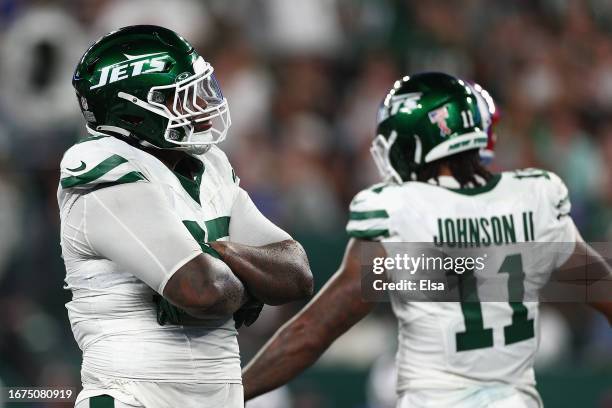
(377, 188)
(369, 234)
(131, 177)
(562, 202)
(101, 169)
(217, 228)
(90, 138)
(366, 215)
(192, 184)
(102, 401)
(196, 231)
(200, 236)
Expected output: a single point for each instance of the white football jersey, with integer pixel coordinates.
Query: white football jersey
(112, 313)
(451, 345)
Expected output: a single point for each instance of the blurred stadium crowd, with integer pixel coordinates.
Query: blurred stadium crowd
(304, 80)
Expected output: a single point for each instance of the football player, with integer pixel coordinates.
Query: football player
(161, 245)
(451, 354)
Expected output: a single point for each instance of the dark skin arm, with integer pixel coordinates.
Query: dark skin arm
(302, 340)
(597, 276)
(274, 274)
(205, 287)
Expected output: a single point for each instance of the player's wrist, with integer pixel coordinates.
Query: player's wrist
(222, 247)
(230, 251)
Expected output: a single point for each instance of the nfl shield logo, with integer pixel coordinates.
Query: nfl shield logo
(439, 117)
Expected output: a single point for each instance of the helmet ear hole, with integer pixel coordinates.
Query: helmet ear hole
(174, 135)
(157, 96)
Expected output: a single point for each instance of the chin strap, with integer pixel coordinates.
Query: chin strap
(114, 131)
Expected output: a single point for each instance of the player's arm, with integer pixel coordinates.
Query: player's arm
(273, 266)
(600, 274)
(205, 287)
(275, 274)
(133, 226)
(301, 341)
(597, 275)
(591, 266)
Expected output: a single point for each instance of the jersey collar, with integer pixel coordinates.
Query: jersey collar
(450, 183)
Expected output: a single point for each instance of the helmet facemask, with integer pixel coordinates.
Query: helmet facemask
(396, 162)
(198, 114)
(381, 153)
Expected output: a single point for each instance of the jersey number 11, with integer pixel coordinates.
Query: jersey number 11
(475, 335)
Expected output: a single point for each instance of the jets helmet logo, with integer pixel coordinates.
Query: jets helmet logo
(439, 117)
(405, 103)
(134, 65)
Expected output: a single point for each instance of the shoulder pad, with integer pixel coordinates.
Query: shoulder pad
(558, 195)
(368, 216)
(552, 187)
(530, 173)
(218, 157)
(92, 164)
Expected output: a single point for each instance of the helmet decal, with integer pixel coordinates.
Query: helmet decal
(439, 117)
(133, 66)
(404, 103)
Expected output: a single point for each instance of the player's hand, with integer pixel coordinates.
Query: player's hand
(248, 313)
(166, 312)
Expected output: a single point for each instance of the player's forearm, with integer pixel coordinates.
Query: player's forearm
(289, 352)
(206, 287)
(591, 275)
(227, 294)
(275, 274)
(599, 278)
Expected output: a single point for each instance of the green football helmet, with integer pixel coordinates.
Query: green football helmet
(423, 118)
(148, 84)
